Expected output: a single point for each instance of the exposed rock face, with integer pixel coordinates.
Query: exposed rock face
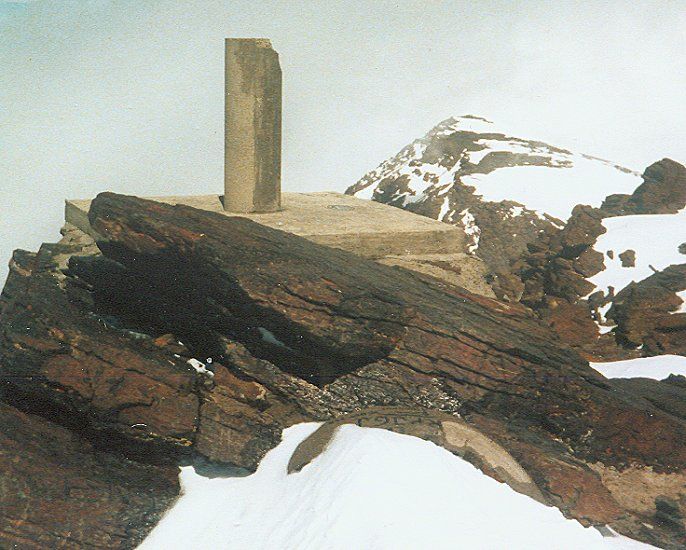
(663, 191)
(296, 331)
(554, 274)
(668, 395)
(644, 313)
(558, 265)
(60, 491)
(56, 357)
(397, 339)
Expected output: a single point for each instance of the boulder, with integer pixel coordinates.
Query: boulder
(663, 191)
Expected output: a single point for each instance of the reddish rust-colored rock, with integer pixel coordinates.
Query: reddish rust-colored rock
(59, 491)
(396, 339)
(60, 360)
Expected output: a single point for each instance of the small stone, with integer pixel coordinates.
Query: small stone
(628, 258)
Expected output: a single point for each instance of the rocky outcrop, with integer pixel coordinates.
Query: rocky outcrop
(333, 333)
(59, 490)
(663, 191)
(63, 361)
(554, 275)
(557, 265)
(556, 269)
(645, 313)
(283, 330)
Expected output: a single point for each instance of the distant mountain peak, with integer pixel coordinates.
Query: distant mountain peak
(468, 164)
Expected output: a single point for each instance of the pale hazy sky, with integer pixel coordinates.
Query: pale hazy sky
(128, 95)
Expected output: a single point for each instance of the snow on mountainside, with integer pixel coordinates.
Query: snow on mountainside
(657, 368)
(503, 190)
(371, 489)
(638, 233)
(472, 151)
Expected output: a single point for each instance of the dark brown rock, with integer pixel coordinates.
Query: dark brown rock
(59, 491)
(644, 313)
(628, 258)
(663, 191)
(668, 395)
(58, 359)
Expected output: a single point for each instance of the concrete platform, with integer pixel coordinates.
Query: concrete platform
(367, 228)
(459, 269)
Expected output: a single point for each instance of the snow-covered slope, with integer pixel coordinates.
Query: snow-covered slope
(370, 489)
(472, 151)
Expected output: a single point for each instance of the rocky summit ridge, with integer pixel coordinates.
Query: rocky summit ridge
(180, 336)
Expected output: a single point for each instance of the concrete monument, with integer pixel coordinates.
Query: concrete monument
(252, 187)
(252, 126)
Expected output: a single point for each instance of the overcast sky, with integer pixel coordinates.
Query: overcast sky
(127, 96)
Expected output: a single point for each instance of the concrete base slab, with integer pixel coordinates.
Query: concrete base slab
(367, 228)
(459, 269)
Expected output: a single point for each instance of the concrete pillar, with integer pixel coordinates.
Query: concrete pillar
(252, 126)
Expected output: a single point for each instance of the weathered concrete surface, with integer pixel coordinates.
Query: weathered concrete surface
(366, 228)
(252, 126)
(460, 269)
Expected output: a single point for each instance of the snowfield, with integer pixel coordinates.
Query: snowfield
(658, 368)
(655, 238)
(557, 189)
(371, 489)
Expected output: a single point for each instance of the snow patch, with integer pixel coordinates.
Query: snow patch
(516, 211)
(655, 238)
(471, 229)
(366, 192)
(555, 191)
(200, 367)
(445, 208)
(370, 489)
(682, 307)
(603, 325)
(657, 368)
